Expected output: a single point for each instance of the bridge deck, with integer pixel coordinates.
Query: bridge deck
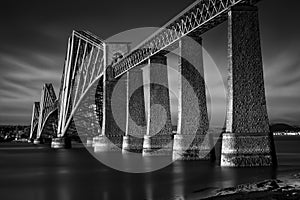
(202, 15)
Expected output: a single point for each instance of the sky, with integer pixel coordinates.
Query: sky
(33, 42)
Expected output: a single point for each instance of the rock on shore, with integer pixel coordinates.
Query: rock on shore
(286, 188)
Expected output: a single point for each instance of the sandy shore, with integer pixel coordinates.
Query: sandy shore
(285, 187)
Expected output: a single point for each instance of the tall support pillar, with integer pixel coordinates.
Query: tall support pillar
(114, 101)
(135, 115)
(247, 141)
(158, 139)
(191, 141)
(114, 114)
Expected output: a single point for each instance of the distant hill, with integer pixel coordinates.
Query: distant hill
(283, 127)
(279, 127)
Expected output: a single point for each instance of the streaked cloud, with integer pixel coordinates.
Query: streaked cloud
(34, 41)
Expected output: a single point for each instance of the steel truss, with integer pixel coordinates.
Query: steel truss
(202, 15)
(84, 66)
(48, 105)
(34, 119)
(86, 61)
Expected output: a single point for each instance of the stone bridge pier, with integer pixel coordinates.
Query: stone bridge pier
(192, 141)
(61, 143)
(135, 113)
(114, 103)
(158, 138)
(114, 114)
(247, 141)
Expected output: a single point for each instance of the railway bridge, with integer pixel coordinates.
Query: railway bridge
(94, 68)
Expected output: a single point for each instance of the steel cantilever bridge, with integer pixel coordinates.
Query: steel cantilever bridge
(93, 67)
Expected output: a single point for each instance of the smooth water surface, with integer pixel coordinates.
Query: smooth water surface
(40, 173)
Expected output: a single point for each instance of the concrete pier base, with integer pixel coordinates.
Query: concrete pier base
(158, 145)
(246, 150)
(95, 139)
(132, 144)
(37, 141)
(107, 144)
(89, 142)
(192, 147)
(61, 143)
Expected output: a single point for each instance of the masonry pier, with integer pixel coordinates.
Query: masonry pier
(114, 103)
(192, 141)
(61, 143)
(158, 139)
(114, 114)
(135, 114)
(247, 141)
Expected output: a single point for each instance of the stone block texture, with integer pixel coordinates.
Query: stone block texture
(61, 143)
(132, 144)
(157, 145)
(192, 147)
(246, 150)
(136, 117)
(107, 144)
(247, 141)
(158, 140)
(193, 118)
(37, 141)
(114, 123)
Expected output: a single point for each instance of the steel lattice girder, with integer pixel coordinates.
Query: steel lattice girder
(202, 15)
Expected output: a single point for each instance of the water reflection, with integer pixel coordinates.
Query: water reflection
(178, 175)
(132, 162)
(149, 187)
(74, 174)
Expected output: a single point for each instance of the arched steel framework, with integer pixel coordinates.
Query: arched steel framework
(47, 105)
(49, 126)
(84, 66)
(34, 119)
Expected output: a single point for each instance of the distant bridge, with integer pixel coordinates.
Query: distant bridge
(93, 69)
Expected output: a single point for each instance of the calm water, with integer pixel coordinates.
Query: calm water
(43, 173)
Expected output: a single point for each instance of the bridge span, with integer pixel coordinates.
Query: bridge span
(94, 68)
